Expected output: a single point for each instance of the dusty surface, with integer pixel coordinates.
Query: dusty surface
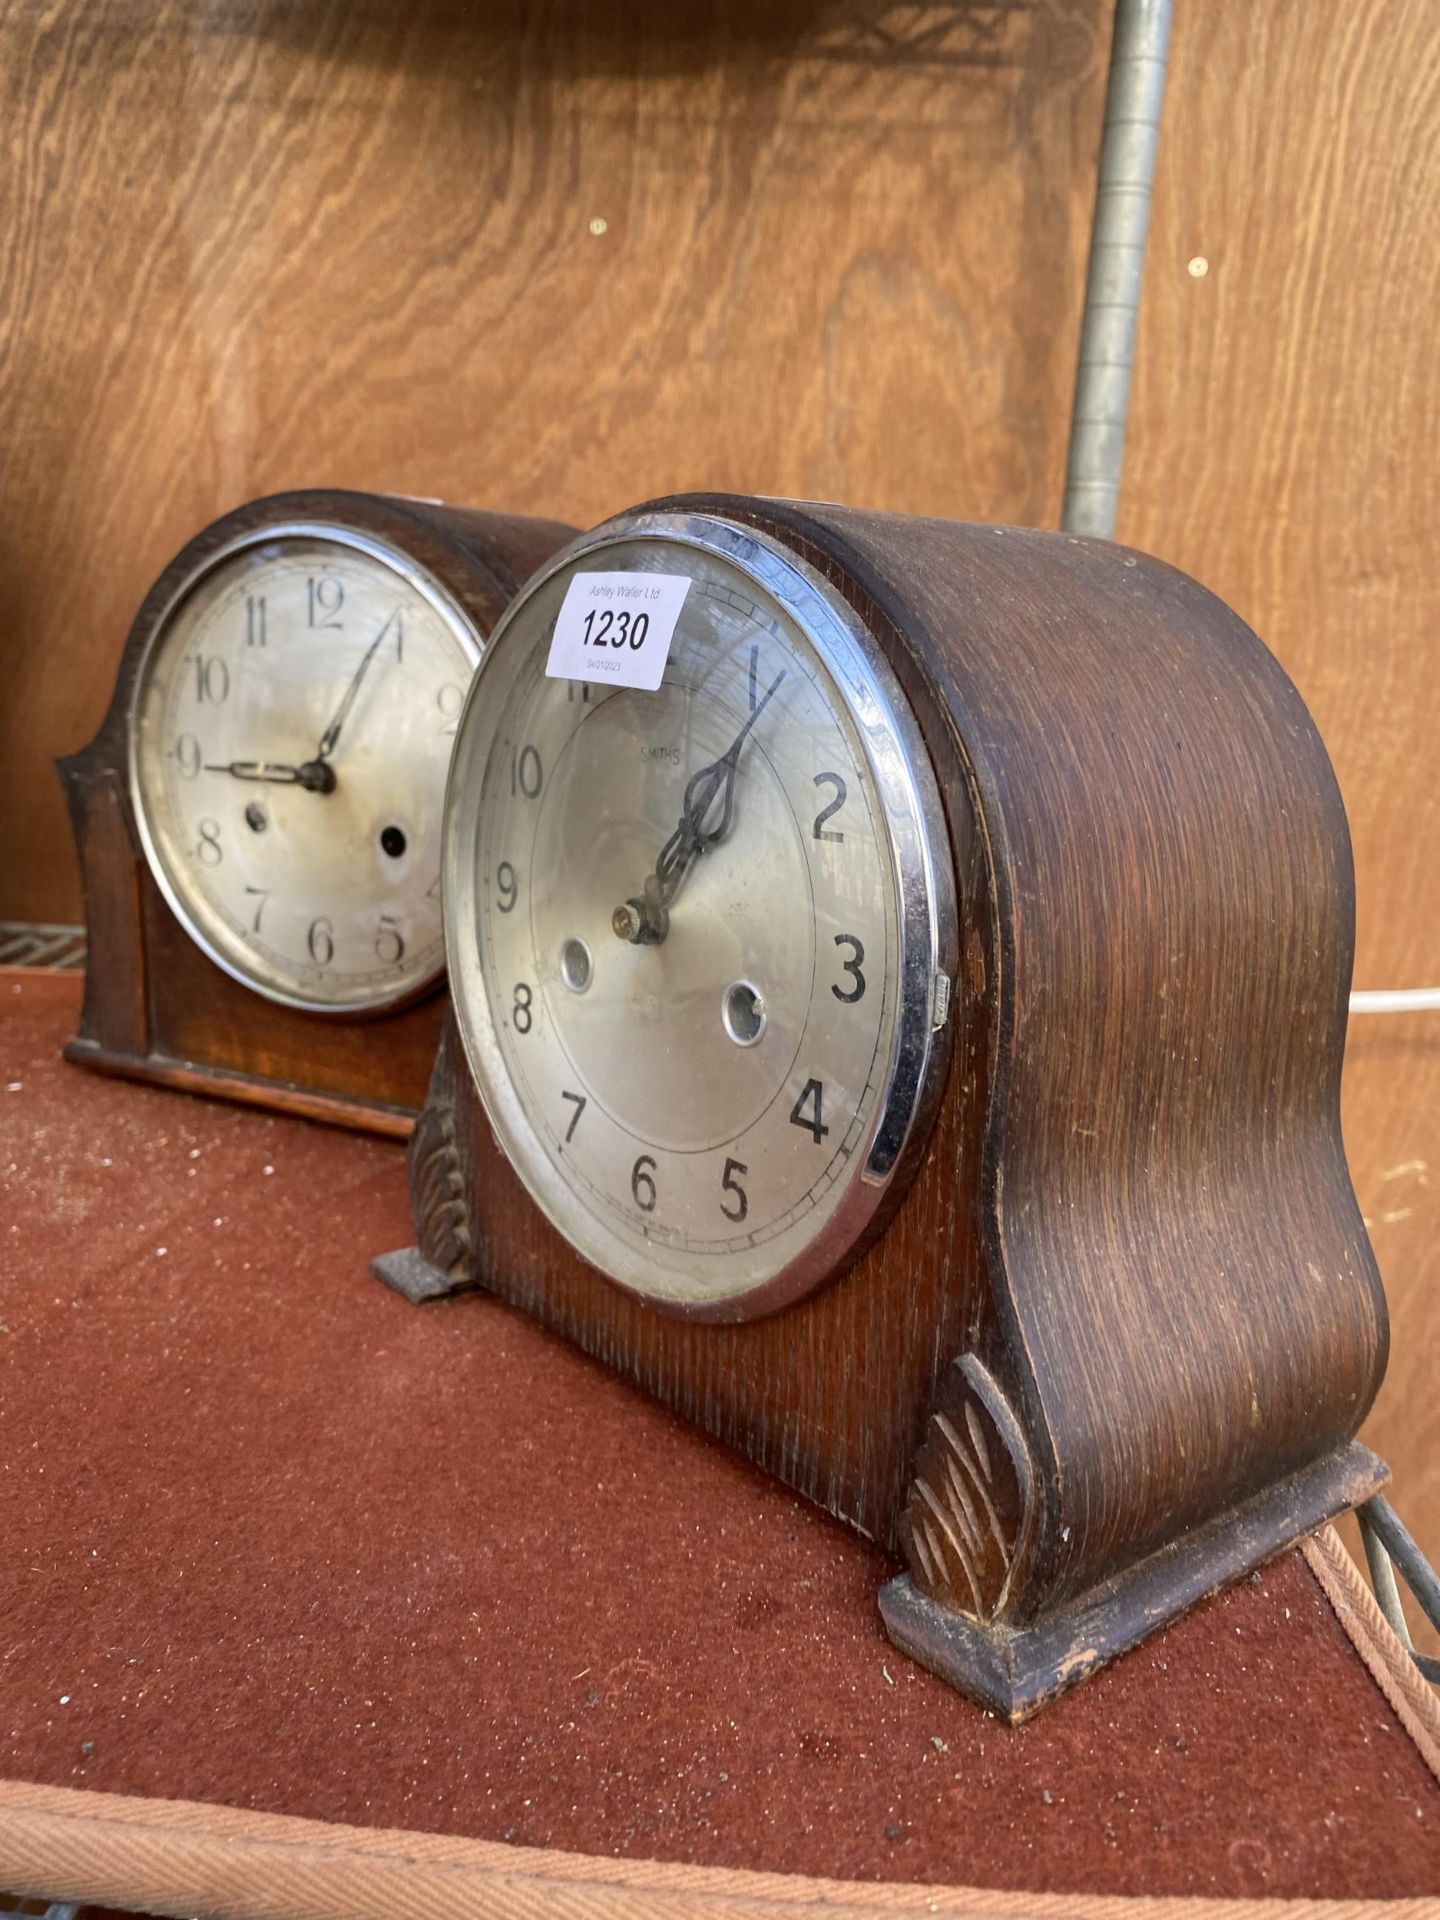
(276, 1539)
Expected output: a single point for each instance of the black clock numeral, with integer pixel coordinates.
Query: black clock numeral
(208, 850)
(822, 832)
(731, 1185)
(389, 942)
(520, 1012)
(187, 756)
(325, 599)
(852, 967)
(432, 892)
(397, 621)
(321, 941)
(526, 773)
(811, 1095)
(262, 895)
(212, 680)
(754, 678)
(642, 1187)
(449, 700)
(580, 1105)
(255, 622)
(577, 689)
(507, 886)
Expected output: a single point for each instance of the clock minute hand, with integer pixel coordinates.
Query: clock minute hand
(645, 921)
(332, 733)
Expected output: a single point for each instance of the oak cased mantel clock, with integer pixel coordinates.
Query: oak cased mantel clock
(258, 819)
(899, 1027)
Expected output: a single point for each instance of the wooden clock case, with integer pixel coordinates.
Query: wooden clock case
(1114, 1344)
(156, 1007)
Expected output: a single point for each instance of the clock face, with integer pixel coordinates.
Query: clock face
(290, 737)
(693, 932)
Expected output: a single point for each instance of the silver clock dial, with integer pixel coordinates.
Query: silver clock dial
(685, 960)
(289, 743)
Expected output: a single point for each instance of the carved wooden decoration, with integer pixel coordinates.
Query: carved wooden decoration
(967, 1515)
(157, 1006)
(1114, 1342)
(441, 1261)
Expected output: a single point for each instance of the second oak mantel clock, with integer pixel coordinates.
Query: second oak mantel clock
(258, 819)
(899, 1027)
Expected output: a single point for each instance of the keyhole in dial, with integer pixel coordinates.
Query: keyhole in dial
(256, 817)
(744, 1014)
(575, 965)
(392, 840)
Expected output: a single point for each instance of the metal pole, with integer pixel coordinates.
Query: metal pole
(1117, 261)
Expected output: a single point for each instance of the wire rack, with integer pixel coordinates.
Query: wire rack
(24, 943)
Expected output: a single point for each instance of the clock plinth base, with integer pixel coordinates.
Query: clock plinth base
(1015, 1671)
(408, 1272)
(384, 1117)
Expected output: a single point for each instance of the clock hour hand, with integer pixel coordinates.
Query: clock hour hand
(315, 775)
(644, 921)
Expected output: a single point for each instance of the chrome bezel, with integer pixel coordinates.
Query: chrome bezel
(169, 884)
(924, 894)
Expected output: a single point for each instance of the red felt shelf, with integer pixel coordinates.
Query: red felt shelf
(276, 1540)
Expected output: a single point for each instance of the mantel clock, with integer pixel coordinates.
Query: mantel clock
(258, 819)
(899, 981)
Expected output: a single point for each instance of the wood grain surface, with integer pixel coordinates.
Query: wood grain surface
(1283, 447)
(843, 246)
(279, 244)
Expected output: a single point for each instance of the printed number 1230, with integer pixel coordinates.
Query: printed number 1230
(604, 627)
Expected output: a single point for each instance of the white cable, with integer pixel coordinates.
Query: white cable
(1397, 1000)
